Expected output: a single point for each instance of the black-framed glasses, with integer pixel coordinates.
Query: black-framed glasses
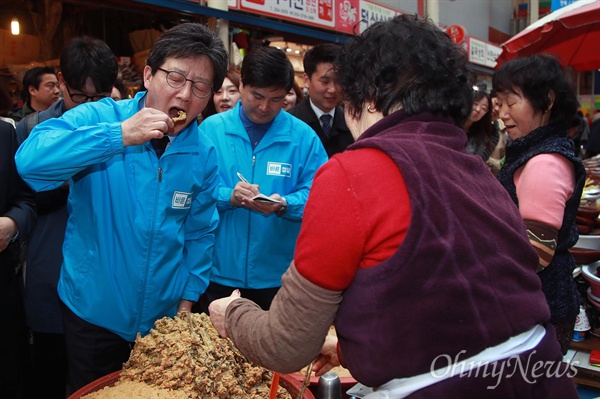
(80, 98)
(177, 80)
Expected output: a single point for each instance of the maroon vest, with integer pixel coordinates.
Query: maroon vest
(463, 279)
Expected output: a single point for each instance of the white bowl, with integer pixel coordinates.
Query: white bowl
(590, 242)
(590, 273)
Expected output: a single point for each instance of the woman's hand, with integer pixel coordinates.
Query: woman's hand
(328, 358)
(217, 309)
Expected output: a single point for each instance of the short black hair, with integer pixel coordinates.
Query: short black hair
(536, 76)
(190, 40)
(86, 58)
(33, 77)
(321, 53)
(267, 67)
(406, 61)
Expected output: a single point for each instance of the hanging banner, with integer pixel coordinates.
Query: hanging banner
(482, 53)
(347, 16)
(371, 13)
(309, 12)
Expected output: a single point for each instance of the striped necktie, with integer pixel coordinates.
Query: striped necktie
(326, 122)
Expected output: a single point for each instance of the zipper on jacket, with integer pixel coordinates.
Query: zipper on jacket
(249, 225)
(148, 259)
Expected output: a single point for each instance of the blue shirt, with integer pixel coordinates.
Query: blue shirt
(255, 131)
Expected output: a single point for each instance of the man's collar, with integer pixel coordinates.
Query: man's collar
(318, 111)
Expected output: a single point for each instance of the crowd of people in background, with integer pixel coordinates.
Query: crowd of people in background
(263, 207)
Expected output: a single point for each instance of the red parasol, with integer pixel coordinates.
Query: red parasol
(571, 33)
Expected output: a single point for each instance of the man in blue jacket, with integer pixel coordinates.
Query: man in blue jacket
(88, 67)
(261, 150)
(142, 201)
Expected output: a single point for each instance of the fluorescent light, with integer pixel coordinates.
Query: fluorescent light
(14, 26)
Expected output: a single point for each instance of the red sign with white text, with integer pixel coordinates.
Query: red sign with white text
(309, 12)
(347, 15)
(457, 33)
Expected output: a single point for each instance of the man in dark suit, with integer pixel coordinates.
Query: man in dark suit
(320, 110)
(17, 216)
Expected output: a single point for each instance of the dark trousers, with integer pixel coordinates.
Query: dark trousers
(49, 371)
(92, 351)
(262, 297)
(14, 335)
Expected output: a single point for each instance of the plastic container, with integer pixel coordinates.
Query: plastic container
(582, 325)
(287, 381)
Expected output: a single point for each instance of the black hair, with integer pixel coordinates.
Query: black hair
(576, 120)
(298, 91)
(122, 89)
(322, 53)
(6, 102)
(190, 40)
(33, 77)
(537, 76)
(86, 58)
(481, 131)
(406, 61)
(267, 67)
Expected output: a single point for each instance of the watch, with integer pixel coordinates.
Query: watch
(283, 208)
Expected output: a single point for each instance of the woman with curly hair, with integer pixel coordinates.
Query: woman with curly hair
(543, 174)
(408, 245)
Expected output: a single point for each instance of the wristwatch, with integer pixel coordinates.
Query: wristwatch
(283, 208)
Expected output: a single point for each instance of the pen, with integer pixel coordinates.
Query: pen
(242, 178)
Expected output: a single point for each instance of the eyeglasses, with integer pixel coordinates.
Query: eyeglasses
(177, 80)
(80, 98)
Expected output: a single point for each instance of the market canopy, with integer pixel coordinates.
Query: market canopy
(571, 33)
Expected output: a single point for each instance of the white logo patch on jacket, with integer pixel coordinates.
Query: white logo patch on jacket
(279, 169)
(182, 200)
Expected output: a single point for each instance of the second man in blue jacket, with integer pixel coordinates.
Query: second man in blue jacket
(262, 150)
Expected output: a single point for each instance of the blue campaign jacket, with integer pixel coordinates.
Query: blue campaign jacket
(253, 250)
(140, 232)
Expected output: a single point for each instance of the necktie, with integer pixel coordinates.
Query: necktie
(160, 145)
(326, 121)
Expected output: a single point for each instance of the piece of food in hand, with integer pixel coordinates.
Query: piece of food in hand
(181, 116)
